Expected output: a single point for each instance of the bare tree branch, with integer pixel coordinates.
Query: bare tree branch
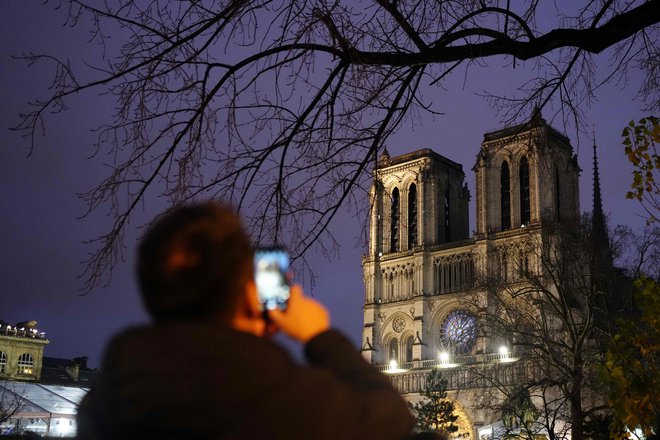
(280, 106)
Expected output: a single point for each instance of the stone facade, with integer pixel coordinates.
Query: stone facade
(21, 353)
(422, 264)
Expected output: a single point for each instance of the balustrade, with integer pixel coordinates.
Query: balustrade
(466, 377)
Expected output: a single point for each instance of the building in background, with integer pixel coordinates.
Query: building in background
(38, 394)
(423, 266)
(21, 351)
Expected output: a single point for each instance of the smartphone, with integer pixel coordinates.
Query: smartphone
(271, 266)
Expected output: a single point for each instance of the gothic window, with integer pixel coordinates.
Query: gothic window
(3, 362)
(447, 217)
(452, 275)
(409, 349)
(557, 195)
(504, 267)
(505, 196)
(393, 350)
(390, 287)
(524, 191)
(523, 266)
(394, 216)
(25, 364)
(459, 332)
(412, 216)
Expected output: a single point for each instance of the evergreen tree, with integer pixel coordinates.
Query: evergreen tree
(435, 412)
(519, 414)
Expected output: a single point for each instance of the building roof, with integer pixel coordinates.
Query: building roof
(39, 400)
(72, 372)
(535, 121)
(386, 161)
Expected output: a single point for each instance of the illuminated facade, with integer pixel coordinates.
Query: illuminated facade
(21, 351)
(423, 267)
(38, 394)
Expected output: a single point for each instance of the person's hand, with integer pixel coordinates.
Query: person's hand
(303, 318)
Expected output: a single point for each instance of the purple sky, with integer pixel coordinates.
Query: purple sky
(41, 244)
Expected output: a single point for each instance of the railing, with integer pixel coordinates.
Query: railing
(22, 332)
(468, 377)
(515, 231)
(451, 244)
(455, 361)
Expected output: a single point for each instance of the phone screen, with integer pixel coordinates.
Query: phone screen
(270, 274)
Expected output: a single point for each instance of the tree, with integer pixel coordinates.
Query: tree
(10, 402)
(553, 307)
(631, 369)
(435, 412)
(519, 412)
(639, 141)
(281, 106)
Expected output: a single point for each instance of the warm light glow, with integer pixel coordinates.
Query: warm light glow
(394, 364)
(444, 360)
(505, 355)
(485, 432)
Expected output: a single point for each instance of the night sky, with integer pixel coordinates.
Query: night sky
(42, 239)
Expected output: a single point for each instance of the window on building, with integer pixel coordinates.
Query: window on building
(393, 350)
(3, 362)
(447, 216)
(557, 195)
(505, 196)
(523, 270)
(412, 216)
(459, 332)
(409, 349)
(524, 192)
(25, 364)
(504, 258)
(394, 216)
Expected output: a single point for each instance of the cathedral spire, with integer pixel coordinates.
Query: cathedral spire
(597, 211)
(599, 225)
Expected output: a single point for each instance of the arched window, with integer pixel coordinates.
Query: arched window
(25, 364)
(394, 216)
(557, 195)
(3, 362)
(505, 196)
(409, 349)
(412, 216)
(524, 191)
(393, 351)
(459, 332)
(447, 216)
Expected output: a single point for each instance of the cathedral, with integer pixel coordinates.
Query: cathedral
(423, 265)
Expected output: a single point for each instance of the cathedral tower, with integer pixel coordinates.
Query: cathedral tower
(426, 279)
(419, 203)
(525, 174)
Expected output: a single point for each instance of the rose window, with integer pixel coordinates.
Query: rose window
(459, 332)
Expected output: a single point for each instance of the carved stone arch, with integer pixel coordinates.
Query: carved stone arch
(397, 326)
(497, 160)
(464, 422)
(407, 341)
(410, 269)
(408, 179)
(390, 181)
(389, 340)
(440, 312)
